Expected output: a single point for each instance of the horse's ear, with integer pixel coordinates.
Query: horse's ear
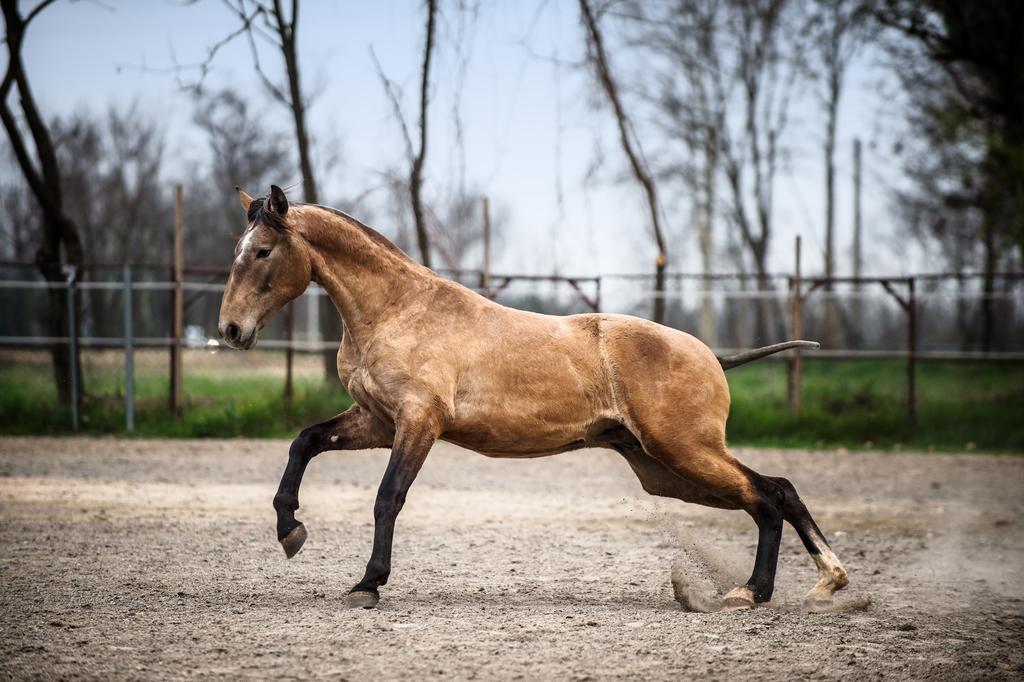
(278, 201)
(244, 198)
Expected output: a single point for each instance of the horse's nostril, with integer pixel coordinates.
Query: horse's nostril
(232, 332)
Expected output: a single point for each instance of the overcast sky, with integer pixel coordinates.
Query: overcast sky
(530, 128)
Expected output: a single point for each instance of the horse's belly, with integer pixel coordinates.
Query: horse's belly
(496, 441)
(526, 426)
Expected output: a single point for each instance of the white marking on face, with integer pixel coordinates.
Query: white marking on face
(246, 240)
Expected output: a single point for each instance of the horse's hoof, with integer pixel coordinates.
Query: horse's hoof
(361, 600)
(738, 599)
(293, 542)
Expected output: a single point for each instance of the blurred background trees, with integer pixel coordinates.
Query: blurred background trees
(961, 66)
(713, 104)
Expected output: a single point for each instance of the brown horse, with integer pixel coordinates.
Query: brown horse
(425, 358)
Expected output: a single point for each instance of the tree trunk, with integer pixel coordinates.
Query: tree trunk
(45, 185)
(706, 323)
(416, 173)
(987, 312)
(830, 339)
(857, 253)
(330, 320)
(764, 307)
(611, 91)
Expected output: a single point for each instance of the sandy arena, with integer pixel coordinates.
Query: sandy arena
(158, 559)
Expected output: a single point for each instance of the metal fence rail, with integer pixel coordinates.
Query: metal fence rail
(584, 294)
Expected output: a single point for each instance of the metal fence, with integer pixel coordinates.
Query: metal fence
(940, 316)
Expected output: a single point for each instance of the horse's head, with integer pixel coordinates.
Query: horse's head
(272, 267)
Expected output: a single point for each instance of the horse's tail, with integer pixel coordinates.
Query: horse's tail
(743, 358)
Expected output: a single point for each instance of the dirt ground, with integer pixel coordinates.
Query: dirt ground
(158, 559)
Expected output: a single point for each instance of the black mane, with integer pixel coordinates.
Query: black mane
(259, 212)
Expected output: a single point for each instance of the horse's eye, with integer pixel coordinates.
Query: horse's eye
(263, 253)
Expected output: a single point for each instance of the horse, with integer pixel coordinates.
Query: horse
(424, 358)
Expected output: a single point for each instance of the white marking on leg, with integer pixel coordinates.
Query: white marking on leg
(831, 576)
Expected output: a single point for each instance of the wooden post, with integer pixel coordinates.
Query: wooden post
(289, 352)
(129, 354)
(911, 353)
(796, 318)
(177, 301)
(487, 246)
(72, 276)
(857, 227)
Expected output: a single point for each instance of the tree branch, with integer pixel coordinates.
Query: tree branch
(390, 89)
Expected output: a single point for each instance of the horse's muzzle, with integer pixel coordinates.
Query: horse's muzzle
(236, 337)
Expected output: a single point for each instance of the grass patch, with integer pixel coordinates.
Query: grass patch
(853, 404)
(863, 403)
(215, 406)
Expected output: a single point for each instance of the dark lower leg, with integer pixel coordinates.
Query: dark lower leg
(767, 513)
(797, 515)
(286, 501)
(831, 574)
(354, 429)
(412, 444)
(378, 568)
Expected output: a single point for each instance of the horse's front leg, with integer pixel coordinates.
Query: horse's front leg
(353, 429)
(416, 431)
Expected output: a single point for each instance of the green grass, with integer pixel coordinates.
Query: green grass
(862, 403)
(853, 404)
(222, 407)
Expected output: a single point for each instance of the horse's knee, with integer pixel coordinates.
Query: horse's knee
(306, 445)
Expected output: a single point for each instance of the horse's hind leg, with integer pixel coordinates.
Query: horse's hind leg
(714, 478)
(831, 574)
(353, 429)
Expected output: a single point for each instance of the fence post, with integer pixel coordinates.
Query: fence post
(129, 353)
(486, 275)
(177, 312)
(911, 353)
(289, 351)
(72, 275)
(796, 321)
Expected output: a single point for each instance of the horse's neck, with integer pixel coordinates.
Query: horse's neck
(363, 274)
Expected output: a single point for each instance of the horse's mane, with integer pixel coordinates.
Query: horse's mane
(260, 213)
(373, 234)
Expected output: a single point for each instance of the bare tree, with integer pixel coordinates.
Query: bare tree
(460, 243)
(416, 157)
(689, 106)
(272, 24)
(230, 124)
(838, 25)
(416, 175)
(20, 212)
(960, 66)
(111, 170)
(277, 27)
(598, 58)
(60, 237)
(765, 61)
